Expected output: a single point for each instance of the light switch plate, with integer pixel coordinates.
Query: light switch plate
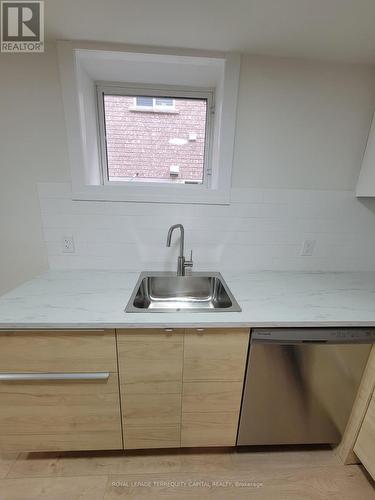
(308, 247)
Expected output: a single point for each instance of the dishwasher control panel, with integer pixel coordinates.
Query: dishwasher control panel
(321, 335)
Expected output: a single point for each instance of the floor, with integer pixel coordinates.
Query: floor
(277, 474)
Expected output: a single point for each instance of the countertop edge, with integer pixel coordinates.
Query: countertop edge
(221, 324)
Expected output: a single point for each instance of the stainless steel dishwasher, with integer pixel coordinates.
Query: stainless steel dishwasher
(301, 384)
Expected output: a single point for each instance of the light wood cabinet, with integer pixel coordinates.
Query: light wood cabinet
(214, 367)
(211, 395)
(134, 388)
(150, 369)
(60, 415)
(345, 450)
(181, 387)
(365, 444)
(215, 354)
(76, 405)
(58, 350)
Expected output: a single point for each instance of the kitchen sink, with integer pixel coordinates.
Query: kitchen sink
(166, 292)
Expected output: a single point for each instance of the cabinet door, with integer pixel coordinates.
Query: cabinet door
(59, 391)
(150, 368)
(214, 367)
(365, 444)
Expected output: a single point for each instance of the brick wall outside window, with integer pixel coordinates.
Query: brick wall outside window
(138, 142)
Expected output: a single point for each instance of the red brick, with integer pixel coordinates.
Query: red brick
(138, 142)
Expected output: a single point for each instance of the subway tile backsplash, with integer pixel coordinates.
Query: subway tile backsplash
(262, 229)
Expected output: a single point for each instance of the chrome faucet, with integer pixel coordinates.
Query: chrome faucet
(182, 264)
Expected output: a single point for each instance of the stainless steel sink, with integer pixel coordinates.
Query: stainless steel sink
(166, 292)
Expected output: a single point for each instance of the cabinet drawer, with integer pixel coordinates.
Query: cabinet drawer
(365, 444)
(60, 415)
(215, 354)
(60, 442)
(58, 351)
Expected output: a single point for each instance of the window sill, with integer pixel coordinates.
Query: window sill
(177, 194)
(171, 181)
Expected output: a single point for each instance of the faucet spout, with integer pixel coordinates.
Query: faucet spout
(182, 263)
(182, 237)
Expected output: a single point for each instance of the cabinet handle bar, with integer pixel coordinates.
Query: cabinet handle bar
(26, 377)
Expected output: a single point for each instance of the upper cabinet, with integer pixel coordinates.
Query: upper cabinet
(366, 179)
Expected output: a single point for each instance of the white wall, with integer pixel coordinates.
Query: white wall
(301, 132)
(302, 125)
(32, 148)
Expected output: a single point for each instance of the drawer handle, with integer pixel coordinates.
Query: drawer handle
(200, 330)
(168, 330)
(27, 377)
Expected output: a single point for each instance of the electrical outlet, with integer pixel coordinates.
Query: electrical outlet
(68, 244)
(308, 248)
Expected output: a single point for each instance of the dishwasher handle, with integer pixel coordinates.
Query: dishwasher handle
(287, 342)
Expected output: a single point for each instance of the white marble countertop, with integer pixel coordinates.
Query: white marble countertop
(96, 299)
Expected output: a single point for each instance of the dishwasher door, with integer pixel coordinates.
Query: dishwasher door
(297, 393)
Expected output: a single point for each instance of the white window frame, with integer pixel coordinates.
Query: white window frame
(82, 64)
(108, 88)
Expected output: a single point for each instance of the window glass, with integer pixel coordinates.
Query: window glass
(163, 101)
(144, 101)
(155, 146)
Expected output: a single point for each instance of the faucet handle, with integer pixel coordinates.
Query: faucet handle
(189, 263)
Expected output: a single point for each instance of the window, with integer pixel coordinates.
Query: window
(153, 104)
(144, 102)
(154, 139)
(164, 102)
(135, 142)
